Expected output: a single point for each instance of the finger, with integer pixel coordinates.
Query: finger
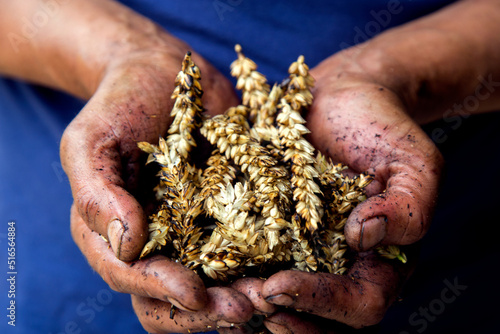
(359, 298)
(156, 277)
(225, 308)
(252, 288)
(400, 215)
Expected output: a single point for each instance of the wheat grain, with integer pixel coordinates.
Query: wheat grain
(253, 85)
(265, 200)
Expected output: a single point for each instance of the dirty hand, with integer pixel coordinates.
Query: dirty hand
(124, 65)
(364, 125)
(368, 100)
(99, 149)
(131, 102)
(328, 302)
(100, 155)
(359, 122)
(357, 299)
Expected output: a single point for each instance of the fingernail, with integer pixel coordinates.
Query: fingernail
(179, 305)
(115, 234)
(373, 232)
(282, 299)
(277, 328)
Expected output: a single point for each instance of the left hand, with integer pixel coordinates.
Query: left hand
(363, 124)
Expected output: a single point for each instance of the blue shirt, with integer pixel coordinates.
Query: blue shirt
(55, 289)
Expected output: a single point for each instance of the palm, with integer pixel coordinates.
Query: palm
(365, 127)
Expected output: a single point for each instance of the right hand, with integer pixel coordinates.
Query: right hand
(99, 150)
(105, 168)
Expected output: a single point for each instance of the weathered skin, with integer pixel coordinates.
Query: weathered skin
(366, 124)
(359, 298)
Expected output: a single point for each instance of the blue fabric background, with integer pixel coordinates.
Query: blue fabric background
(56, 290)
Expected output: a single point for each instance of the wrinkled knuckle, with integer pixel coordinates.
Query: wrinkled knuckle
(433, 159)
(70, 140)
(414, 228)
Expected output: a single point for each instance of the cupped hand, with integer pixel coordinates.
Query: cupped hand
(105, 168)
(357, 299)
(364, 125)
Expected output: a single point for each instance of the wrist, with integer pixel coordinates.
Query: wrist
(365, 67)
(426, 78)
(80, 43)
(435, 62)
(114, 39)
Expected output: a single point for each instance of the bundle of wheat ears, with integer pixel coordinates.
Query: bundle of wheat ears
(264, 200)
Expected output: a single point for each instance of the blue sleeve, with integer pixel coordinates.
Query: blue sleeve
(275, 33)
